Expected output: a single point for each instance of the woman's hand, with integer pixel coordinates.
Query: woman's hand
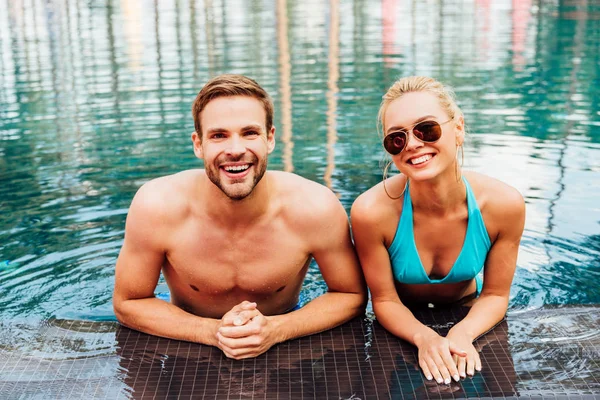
(436, 357)
(470, 363)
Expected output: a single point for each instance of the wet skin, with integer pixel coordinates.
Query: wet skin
(234, 243)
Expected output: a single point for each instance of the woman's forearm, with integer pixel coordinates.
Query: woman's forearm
(400, 321)
(483, 316)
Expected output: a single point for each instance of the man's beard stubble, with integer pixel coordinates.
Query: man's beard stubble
(238, 191)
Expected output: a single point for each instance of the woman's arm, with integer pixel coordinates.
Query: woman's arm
(508, 214)
(435, 352)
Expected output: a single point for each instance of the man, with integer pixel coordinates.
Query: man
(234, 241)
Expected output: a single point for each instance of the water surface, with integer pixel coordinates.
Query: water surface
(95, 100)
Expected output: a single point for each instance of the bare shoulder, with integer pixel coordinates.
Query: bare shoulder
(494, 193)
(164, 198)
(498, 201)
(306, 202)
(374, 207)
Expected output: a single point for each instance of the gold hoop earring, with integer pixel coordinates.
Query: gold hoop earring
(462, 162)
(385, 170)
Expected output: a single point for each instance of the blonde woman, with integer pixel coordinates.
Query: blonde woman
(423, 236)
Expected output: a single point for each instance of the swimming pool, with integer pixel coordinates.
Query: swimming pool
(95, 100)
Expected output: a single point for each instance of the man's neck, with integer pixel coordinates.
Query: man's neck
(237, 212)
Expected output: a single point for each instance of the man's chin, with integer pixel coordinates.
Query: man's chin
(236, 193)
(237, 196)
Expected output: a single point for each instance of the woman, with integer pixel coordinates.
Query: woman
(423, 236)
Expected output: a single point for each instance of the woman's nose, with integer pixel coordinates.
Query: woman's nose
(412, 142)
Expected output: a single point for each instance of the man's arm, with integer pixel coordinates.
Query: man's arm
(329, 234)
(138, 269)
(334, 253)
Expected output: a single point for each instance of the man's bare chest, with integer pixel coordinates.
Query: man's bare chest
(254, 259)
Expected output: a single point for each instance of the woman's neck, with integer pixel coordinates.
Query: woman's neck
(440, 196)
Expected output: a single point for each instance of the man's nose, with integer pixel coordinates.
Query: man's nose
(236, 146)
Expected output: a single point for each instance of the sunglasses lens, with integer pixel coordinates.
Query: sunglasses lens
(394, 143)
(428, 131)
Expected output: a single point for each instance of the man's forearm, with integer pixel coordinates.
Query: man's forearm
(160, 318)
(325, 312)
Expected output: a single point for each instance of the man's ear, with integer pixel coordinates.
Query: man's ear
(271, 140)
(197, 143)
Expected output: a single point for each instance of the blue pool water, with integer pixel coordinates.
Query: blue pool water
(95, 100)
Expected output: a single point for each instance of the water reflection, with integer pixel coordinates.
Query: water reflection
(95, 100)
(555, 337)
(332, 90)
(285, 90)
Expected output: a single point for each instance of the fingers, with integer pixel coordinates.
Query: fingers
(440, 365)
(461, 364)
(239, 318)
(244, 305)
(243, 341)
(426, 370)
(239, 343)
(239, 353)
(445, 361)
(456, 350)
(240, 314)
(450, 365)
(468, 365)
(236, 332)
(434, 372)
(473, 364)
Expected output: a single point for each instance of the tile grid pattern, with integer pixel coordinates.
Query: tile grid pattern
(358, 360)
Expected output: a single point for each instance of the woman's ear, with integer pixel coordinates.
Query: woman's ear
(460, 131)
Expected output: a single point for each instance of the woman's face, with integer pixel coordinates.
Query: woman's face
(420, 160)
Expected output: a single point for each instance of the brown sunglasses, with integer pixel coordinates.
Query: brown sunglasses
(425, 131)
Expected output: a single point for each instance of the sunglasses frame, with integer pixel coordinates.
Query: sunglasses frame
(406, 132)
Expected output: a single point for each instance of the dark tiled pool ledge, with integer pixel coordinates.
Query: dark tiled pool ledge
(544, 353)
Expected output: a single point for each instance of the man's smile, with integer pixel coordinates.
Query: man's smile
(236, 169)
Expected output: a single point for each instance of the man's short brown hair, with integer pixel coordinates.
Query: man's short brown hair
(231, 85)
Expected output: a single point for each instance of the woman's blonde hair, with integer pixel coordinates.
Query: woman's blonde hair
(409, 84)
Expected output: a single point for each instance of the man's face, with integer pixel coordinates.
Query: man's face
(234, 144)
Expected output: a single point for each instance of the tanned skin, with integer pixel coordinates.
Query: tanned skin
(440, 220)
(234, 243)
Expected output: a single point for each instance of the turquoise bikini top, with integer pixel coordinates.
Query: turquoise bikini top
(406, 264)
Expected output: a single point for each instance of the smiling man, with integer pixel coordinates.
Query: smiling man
(234, 241)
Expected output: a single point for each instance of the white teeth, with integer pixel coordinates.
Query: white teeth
(421, 159)
(236, 168)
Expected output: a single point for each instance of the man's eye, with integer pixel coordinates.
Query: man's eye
(251, 133)
(218, 136)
